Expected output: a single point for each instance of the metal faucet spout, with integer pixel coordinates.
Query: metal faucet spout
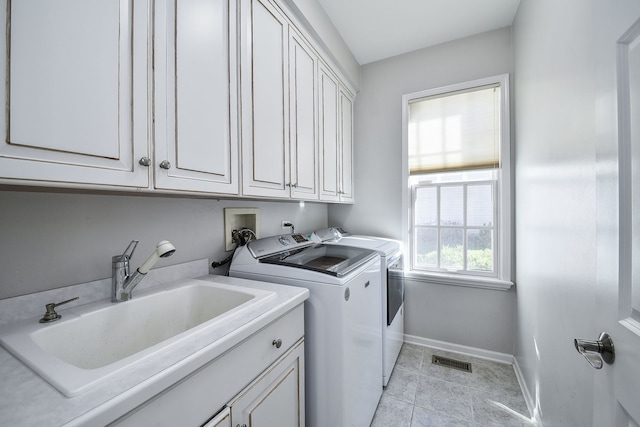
(122, 281)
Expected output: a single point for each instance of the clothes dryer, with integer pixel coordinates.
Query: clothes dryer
(392, 287)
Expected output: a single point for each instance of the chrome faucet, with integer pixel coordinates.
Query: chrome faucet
(121, 279)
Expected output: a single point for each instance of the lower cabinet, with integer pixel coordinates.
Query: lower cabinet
(276, 398)
(261, 379)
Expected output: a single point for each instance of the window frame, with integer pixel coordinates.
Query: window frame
(503, 259)
(465, 184)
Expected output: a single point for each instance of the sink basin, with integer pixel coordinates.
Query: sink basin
(93, 342)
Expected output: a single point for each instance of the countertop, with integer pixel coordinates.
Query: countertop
(28, 400)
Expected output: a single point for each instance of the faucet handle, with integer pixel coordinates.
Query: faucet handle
(125, 255)
(51, 315)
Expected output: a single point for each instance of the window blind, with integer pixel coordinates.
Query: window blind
(455, 131)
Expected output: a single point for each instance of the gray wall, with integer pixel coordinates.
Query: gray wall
(50, 240)
(378, 121)
(472, 317)
(313, 16)
(556, 203)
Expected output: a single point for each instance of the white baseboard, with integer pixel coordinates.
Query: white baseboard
(529, 400)
(461, 349)
(487, 355)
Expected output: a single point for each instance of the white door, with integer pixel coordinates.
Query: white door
(196, 141)
(265, 102)
(75, 91)
(303, 118)
(345, 160)
(223, 419)
(617, 44)
(328, 129)
(276, 398)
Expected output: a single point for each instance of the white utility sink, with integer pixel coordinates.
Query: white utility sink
(92, 343)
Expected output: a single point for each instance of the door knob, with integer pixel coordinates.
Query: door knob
(597, 351)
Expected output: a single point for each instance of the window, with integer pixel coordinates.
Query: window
(457, 175)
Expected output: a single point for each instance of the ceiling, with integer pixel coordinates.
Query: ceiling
(378, 29)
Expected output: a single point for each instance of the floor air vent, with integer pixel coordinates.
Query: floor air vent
(451, 363)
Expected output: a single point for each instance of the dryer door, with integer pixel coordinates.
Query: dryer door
(395, 288)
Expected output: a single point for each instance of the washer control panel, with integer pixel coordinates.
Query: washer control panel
(271, 245)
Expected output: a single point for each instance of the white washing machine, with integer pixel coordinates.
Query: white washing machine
(343, 340)
(392, 288)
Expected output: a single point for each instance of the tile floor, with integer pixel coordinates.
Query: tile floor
(421, 394)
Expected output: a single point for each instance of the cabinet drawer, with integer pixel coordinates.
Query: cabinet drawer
(192, 401)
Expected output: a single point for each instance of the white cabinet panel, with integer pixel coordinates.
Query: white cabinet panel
(223, 419)
(346, 147)
(265, 141)
(76, 92)
(196, 96)
(328, 135)
(276, 398)
(303, 119)
(336, 139)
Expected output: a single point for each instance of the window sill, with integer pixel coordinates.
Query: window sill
(457, 280)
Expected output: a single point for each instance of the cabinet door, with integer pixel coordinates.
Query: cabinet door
(196, 132)
(265, 102)
(276, 398)
(328, 130)
(346, 148)
(75, 93)
(303, 119)
(223, 419)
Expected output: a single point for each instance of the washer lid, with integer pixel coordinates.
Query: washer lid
(328, 259)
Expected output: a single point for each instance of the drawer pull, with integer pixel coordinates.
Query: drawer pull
(277, 343)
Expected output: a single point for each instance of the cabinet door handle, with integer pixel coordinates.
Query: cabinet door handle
(144, 161)
(277, 343)
(165, 164)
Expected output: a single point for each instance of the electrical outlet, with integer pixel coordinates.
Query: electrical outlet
(285, 224)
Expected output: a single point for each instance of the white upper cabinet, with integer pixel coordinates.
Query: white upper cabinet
(336, 139)
(303, 118)
(196, 101)
(328, 135)
(76, 92)
(265, 100)
(190, 96)
(345, 168)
